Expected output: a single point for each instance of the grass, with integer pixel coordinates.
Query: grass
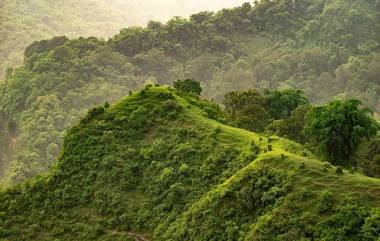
(313, 175)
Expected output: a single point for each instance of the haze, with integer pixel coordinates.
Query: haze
(25, 21)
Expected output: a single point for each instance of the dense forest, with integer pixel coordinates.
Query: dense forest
(22, 22)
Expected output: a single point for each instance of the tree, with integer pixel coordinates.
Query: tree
(338, 128)
(188, 86)
(281, 103)
(247, 109)
(293, 126)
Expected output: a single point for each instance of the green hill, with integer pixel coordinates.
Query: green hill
(155, 166)
(329, 49)
(22, 22)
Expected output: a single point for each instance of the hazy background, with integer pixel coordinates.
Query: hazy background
(25, 21)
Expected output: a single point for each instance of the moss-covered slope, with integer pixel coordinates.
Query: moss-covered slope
(159, 166)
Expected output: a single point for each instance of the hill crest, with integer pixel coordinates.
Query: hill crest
(154, 166)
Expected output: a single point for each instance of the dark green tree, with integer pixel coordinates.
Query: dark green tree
(281, 103)
(247, 109)
(188, 86)
(293, 126)
(338, 128)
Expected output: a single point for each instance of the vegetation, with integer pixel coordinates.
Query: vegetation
(339, 127)
(166, 163)
(326, 49)
(247, 109)
(154, 167)
(22, 22)
(254, 111)
(188, 86)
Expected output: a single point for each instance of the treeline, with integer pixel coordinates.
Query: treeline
(22, 22)
(325, 48)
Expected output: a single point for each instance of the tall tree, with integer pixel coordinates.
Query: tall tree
(338, 128)
(247, 109)
(281, 103)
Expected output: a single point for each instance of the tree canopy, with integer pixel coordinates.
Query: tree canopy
(338, 128)
(247, 109)
(188, 86)
(281, 103)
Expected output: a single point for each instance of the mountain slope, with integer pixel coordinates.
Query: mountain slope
(329, 49)
(22, 22)
(154, 166)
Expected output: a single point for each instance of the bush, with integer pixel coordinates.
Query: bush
(371, 227)
(339, 170)
(254, 147)
(188, 86)
(326, 202)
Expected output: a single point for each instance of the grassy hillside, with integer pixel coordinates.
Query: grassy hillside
(329, 49)
(154, 166)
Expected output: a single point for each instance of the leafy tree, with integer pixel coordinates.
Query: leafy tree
(247, 109)
(368, 157)
(371, 227)
(339, 127)
(188, 86)
(293, 126)
(281, 103)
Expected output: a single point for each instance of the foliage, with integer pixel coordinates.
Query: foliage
(188, 86)
(368, 157)
(292, 127)
(338, 128)
(60, 81)
(150, 168)
(280, 104)
(247, 109)
(324, 48)
(254, 111)
(23, 22)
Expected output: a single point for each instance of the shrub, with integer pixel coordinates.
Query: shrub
(371, 227)
(254, 147)
(188, 86)
(270, 148)
(326, 202)
(327, 165)
(165, 96)
(339, 170)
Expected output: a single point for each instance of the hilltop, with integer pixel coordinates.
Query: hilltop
(273, 44)
(329, 49)
(160, 165)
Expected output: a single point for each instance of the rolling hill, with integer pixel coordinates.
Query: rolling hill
(157, 165)
(328, 49)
